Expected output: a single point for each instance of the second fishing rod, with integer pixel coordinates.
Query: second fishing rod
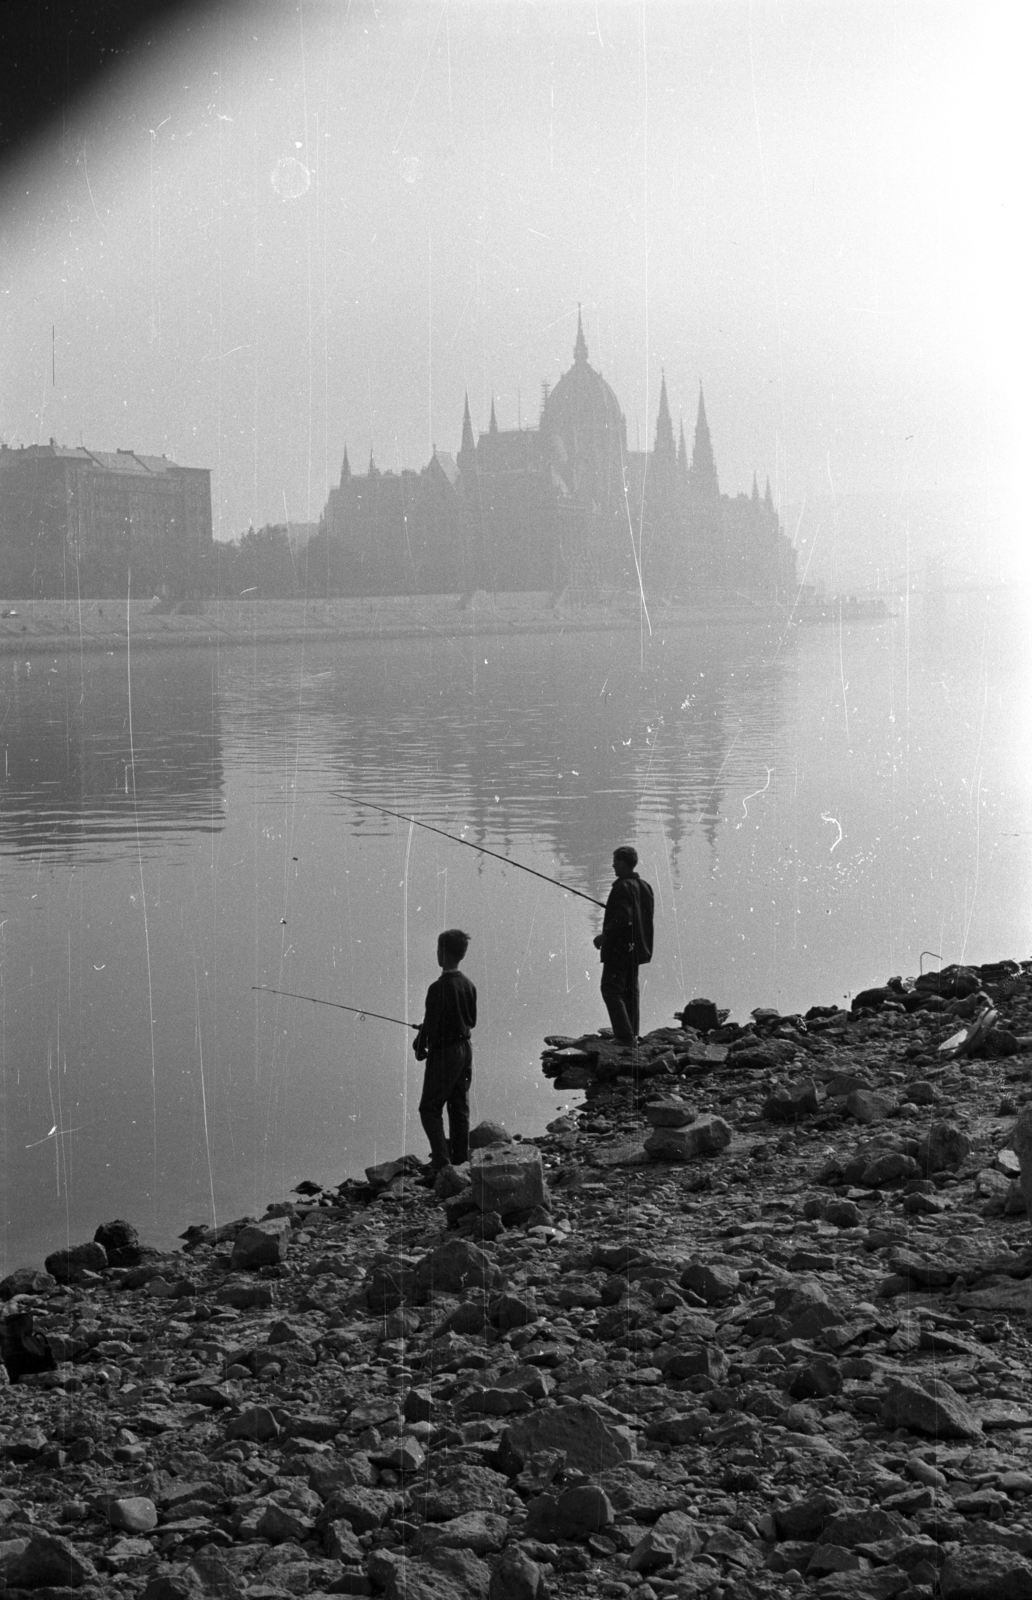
(482, 849)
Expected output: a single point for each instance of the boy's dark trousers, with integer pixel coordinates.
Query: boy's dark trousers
(620, 992)
(446, 1080)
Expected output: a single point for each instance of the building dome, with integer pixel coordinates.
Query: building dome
(583, 431)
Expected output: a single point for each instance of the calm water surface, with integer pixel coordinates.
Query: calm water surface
(815, 811)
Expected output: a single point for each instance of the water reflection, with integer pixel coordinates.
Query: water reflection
(87, 764)
(577, 742)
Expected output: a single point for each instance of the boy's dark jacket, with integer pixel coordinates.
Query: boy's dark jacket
(450, 1013)
(628, 919)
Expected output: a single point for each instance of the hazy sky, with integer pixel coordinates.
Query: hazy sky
(300, 226)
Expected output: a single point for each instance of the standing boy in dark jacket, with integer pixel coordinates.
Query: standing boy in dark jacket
(443, 1042)
(625, 942)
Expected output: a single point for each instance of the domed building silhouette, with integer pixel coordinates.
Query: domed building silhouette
(563, 507)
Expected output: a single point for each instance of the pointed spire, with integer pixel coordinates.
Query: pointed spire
(682, 452)
(345, 469)
(467, 457)
(755, 491)
(492, 426)
(768, 498)
(702, 475)
(663, 452)
(580, 348)
(374, 471)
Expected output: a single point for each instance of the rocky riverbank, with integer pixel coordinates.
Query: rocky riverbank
(753, 1321)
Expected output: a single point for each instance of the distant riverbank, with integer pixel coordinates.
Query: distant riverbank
(51, 625)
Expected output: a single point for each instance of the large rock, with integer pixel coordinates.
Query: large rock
(363, 1509)
(513, 1310)
(244, 1295)
(390, 1282)
(470, 1576)
(1021, 1143)
(487, 1133)
(700, 1014)
(761, 1055)
(703, 1137)
(457, 1265)
(183, 1585)
(130, 1513)
(703, 1361)
(849, 1529)
(792, 1101)
(670, 1112)
(447, 1575)
(262, 1244)
(44, 1560)
(465, 1486)
(713, 1283)
(516, 1577)
(574, 1514)
(385, 1172)
(943, 1148)
(507, 1178)
(256, 1423)
(120, 1243)
(928, 1405)
(673, 1538)
(805, 1519)
(25, 1280)
(986, 1572)
(865, 1105)
(483, 1532)
(69, 1265)
(890, 1166)
(589, 1443)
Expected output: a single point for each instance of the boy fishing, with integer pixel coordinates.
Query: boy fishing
(443, 1042)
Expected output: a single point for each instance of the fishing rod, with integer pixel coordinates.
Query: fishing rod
(360, 1011)
(482, 848)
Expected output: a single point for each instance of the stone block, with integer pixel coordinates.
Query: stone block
(703, 1137)
(262, 1244)
(668, 1113)
(507, 1178)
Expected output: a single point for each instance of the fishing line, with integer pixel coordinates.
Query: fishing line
(338, 1005)
(204, 1098)
(456, 839)
(143, 888)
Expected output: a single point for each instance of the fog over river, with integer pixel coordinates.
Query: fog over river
(816, 808)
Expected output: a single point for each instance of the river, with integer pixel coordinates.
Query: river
(817, 808)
